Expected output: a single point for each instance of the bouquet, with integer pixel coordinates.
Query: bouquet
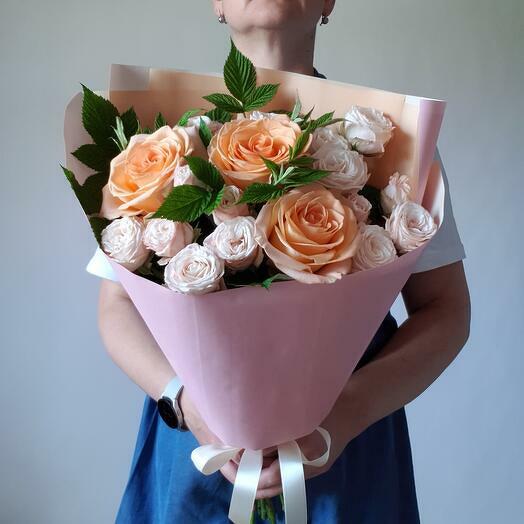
(282, 184)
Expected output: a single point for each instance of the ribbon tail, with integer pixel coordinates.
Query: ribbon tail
(293, 483)
(245, 488)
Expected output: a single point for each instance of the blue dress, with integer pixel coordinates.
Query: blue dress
(371, 482)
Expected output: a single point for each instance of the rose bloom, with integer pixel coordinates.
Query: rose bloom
(195, 270)
(410, 226)
(376, 249)
(234, 242)
(166, 237)
(260, 115)
(327, 135)
(309, 234)
(141, 176)
(396, 192)
(237, 148)
(229, 208)
(360, 205)
(368, 130)
(349, 171)
(184, 176)
(122, 241)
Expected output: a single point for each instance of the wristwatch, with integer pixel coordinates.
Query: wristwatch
(169, 405)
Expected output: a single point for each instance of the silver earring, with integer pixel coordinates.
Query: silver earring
(325, 20)
(222, 19)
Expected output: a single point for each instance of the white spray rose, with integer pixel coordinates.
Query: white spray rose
(184, 176)
(195, 270)
(260, 115)
(410, 226)
(194, 123)
(327, 135)
(368, 130)
(349, 169)
(395, 193)
(375, 249)
(234, 242)
(360, 205)
(229, 208)
(122, 241)
(166, 238)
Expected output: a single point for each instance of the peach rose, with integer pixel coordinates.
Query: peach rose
(238, 146)
(309, 234)
(142, 174)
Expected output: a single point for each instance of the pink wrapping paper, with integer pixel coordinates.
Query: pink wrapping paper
(266, 367)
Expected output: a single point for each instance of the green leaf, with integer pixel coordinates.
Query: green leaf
(98, 118)
(260, 193)
(160, 121)
(130, 122)
(272, 166)
(275, 278)
(98, 224)
(204, 132)
(299, 145)
(321, 121)
(184, 204)
(302, 161)
(240, 75)
(93, 156)
(304, 177)
(184, 119)
(219, 115)
(261, 96)
(206, 172)
(216, 200)
(306, 117)
(296, 109)
(121, 138)
(90, 194)
(225, 102)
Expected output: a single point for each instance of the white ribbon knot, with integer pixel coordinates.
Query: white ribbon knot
(210, 458)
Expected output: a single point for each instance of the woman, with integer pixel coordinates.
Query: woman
(369, 477)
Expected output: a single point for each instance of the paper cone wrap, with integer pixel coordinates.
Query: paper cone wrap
(265, 367)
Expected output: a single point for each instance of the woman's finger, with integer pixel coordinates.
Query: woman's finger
(270, 476)
(229, 471)
(268, 493)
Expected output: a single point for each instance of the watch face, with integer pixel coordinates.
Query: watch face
(167, 412)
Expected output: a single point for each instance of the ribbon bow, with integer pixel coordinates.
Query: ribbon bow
(210, 458)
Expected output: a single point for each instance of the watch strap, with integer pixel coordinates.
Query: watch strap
(172, 392)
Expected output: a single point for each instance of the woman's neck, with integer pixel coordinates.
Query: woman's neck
(278, 50)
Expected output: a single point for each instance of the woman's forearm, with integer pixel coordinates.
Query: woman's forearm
(129, 342)
(415, 357)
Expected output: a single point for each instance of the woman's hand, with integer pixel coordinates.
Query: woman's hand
(342, 424)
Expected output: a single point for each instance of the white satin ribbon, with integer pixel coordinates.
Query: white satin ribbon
(210, 458)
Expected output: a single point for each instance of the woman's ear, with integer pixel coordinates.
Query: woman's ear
(329, 5)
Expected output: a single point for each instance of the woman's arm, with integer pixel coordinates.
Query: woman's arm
(437, 328)
(129, 342)
(134, 350)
